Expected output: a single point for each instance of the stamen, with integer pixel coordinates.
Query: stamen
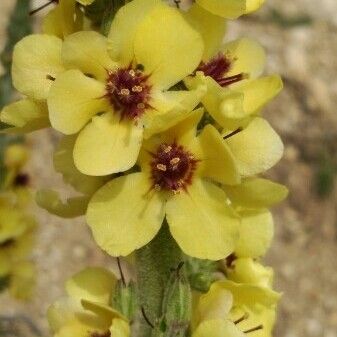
(259, 327)
(243, 318)
(232, 79)
(161, 167)
(137, 88)
(157, 187)
(174, 161)
(141, 106)
(132, 72)
(168, 149)
(125, 92)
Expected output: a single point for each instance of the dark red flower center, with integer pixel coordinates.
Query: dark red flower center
(218, 67)
(172, 167)
(128, 91)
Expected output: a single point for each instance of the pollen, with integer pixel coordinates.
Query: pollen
(125, 92)
(174, 161)
(161, 167)
(168, 149)
(137, 88)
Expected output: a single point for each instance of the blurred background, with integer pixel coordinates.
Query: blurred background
(300, 37)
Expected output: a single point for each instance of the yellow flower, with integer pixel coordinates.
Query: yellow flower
(176, 166)
(230, 9)
(86, 311)
(86, 185)
(235, 90)
(112, 95)
(233, 310)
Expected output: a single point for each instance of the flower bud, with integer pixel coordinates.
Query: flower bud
(125, 299)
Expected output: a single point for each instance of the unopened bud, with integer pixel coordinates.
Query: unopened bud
(125, 299)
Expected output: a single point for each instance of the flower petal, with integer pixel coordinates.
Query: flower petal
(215, 304)
(36, 59)
(211, 27)
(218, 160)
(51, 202)
(256, 193)
(25, 115)
(118, 229)
(124, 26)
(246, 270)
(92, 284)
(178, 48)
(64, 164)
(23, 280)
(87, 51)
(171, 107)
(255, 235)
(52, 24)
(230, 9)
(248, 57)
(218, 328)
(201, 222)
(256, 94)
(107, 145)
(73, 100)
(257, 148)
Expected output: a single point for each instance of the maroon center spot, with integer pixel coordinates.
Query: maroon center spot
(218, 67)
(172, 167)
(128, 91)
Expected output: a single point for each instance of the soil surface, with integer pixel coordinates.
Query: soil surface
(300, 39)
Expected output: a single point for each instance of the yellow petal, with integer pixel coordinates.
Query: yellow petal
(256, 94)
(248, 57)
(64, 164)
(124, 26)
(108, 145)
(218, 160)
(92, 284)
(246, 270)
(249, 295)
(201, 222)
(25, 115)
(52, 23)
(71, 208)
(120, 328)
(36, 59)
(256, 193)
(171, 107)
(178, 49)
(73, 100)
(253, 5)
(230, 9)
(87, 51)
(117, 228)
(218, 328)
(257, 148)
(255, 235)
(71, 17)
(211, 27)
(214, 304)
(12, 224)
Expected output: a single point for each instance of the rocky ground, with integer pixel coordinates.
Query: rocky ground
(300, 38)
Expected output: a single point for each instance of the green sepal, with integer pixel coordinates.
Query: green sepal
(125, 299)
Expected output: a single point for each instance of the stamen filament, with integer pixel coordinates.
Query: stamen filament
(259, 327)
(243, 318)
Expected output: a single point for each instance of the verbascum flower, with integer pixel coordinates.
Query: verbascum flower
(114, 95)
(85, 185)
(230, 9)
(86, 310)
(231, 309)
(235, 91)
(179, 178)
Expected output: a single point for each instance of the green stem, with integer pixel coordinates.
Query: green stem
(154, 263)
(112, 7)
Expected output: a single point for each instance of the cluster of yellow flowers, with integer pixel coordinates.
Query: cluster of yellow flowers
(161, 122)
(17, 227)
